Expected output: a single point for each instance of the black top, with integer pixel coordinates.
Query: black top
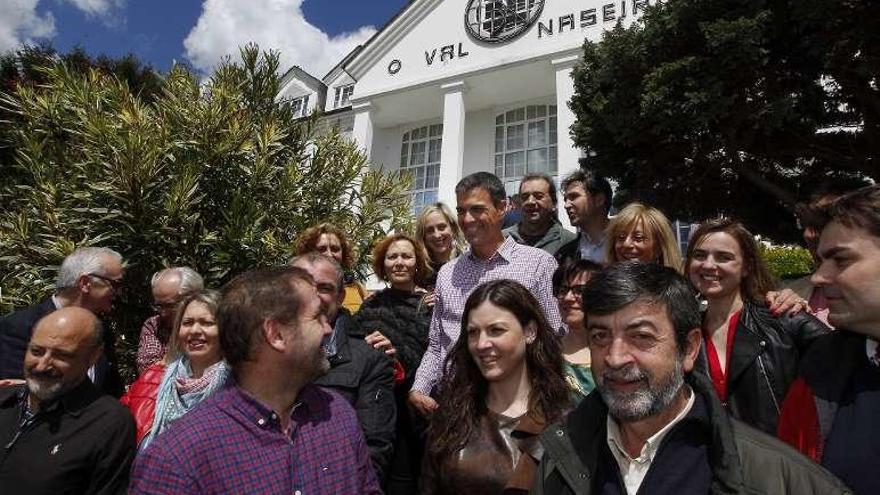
(847, 452)
(84, 443)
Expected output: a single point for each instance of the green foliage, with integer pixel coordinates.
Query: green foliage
(750, 106)
(787, 262)
(218, 176)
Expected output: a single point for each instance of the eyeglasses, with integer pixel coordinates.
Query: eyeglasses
(563, 290)
(115, 285)
(164, 305)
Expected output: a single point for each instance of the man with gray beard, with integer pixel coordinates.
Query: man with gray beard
(655, 426)
(59, 434)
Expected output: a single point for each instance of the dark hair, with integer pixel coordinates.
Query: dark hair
(463, 389)
(250, 299)
(858, 209)
(314, 257)
(592, 183)
(423, 269)
(544, 177)
(757, 280)
(308, 241)
(572, 267)
(486, 181)
(622, 284)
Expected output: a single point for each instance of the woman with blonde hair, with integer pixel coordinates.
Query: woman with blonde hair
(438, 231)
(193, 369)
(643, 233)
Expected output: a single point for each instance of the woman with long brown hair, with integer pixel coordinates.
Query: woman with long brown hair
(751, 356)
(504, 385)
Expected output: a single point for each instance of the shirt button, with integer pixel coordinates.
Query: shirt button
(297, 493)
(560, 433)
(261, 421)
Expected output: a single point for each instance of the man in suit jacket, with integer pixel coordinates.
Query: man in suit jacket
(89, 278)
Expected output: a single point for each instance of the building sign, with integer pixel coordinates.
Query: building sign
(497, 21)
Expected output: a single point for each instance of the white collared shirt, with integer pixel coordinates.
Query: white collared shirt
(592, 250)
(871, 348)
(633, 471)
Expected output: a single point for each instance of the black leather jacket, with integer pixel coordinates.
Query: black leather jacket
(764, 362)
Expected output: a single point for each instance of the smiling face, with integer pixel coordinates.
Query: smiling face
(438, 235)
(400, 264)
(480, 219)
(198, 335)
(497, 342)
(716, 266)
(571, 300)
(330, 245)
(538, 206)
(848, 277)
(636, 361)
(635, 243)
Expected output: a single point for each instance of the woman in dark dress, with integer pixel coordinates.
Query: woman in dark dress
(399, 314)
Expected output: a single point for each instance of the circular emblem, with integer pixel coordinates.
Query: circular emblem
(497, 21)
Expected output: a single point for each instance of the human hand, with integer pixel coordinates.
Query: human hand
(786, 300)
(422, 403)
(381, 343)
(9, 382)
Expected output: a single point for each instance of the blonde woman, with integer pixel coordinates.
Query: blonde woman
(643, 233)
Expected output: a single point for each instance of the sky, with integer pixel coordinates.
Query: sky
(314, 34)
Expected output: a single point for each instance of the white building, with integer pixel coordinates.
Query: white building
(448, 88)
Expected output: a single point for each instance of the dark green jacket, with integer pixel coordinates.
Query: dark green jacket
(743, 459)
(554, 239)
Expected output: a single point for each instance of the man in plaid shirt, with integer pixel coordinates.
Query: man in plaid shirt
(270, 430)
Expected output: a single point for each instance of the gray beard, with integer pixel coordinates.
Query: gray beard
(644, 403)
(45, 393)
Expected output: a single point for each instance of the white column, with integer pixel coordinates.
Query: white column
(566, 151)
(362, 131)
(452, 148)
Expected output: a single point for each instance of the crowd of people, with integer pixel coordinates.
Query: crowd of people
(526, 359)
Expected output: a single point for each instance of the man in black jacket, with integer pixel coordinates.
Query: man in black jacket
(358, 372)
(654, 426)
(59, 433)
(89, 278)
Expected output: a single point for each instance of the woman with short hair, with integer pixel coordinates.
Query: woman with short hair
(332, 242)
(642, 233)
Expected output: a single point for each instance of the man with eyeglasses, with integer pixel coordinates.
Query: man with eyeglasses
(89, 278)
(169, 287)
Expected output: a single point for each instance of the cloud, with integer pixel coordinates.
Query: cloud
(110, 12)
(20, 23)
(225, 25)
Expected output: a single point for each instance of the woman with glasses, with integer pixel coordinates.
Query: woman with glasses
(568, 285)
(193, 369)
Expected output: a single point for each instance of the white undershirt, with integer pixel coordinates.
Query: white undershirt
(633, 471)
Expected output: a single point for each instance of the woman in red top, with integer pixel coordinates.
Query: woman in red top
(751, 355)
(192, 370)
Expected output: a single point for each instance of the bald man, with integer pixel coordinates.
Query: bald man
(59, 433)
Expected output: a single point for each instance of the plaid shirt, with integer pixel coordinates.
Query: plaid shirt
(150, 346)
(232, 443)
(529, 266)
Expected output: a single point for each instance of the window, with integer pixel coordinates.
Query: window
(343, 95)
(420, 156)
(525, 142)
(300, 106)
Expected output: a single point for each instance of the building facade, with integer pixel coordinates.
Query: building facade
(451, 87)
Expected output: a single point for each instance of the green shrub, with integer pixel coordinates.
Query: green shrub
(787, 262)
(218, 176)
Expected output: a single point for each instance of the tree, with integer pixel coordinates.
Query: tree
(218, 176)
(734, 107)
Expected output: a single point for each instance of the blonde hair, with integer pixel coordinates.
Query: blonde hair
(458, 241)
(209, 298)
(657, 227)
